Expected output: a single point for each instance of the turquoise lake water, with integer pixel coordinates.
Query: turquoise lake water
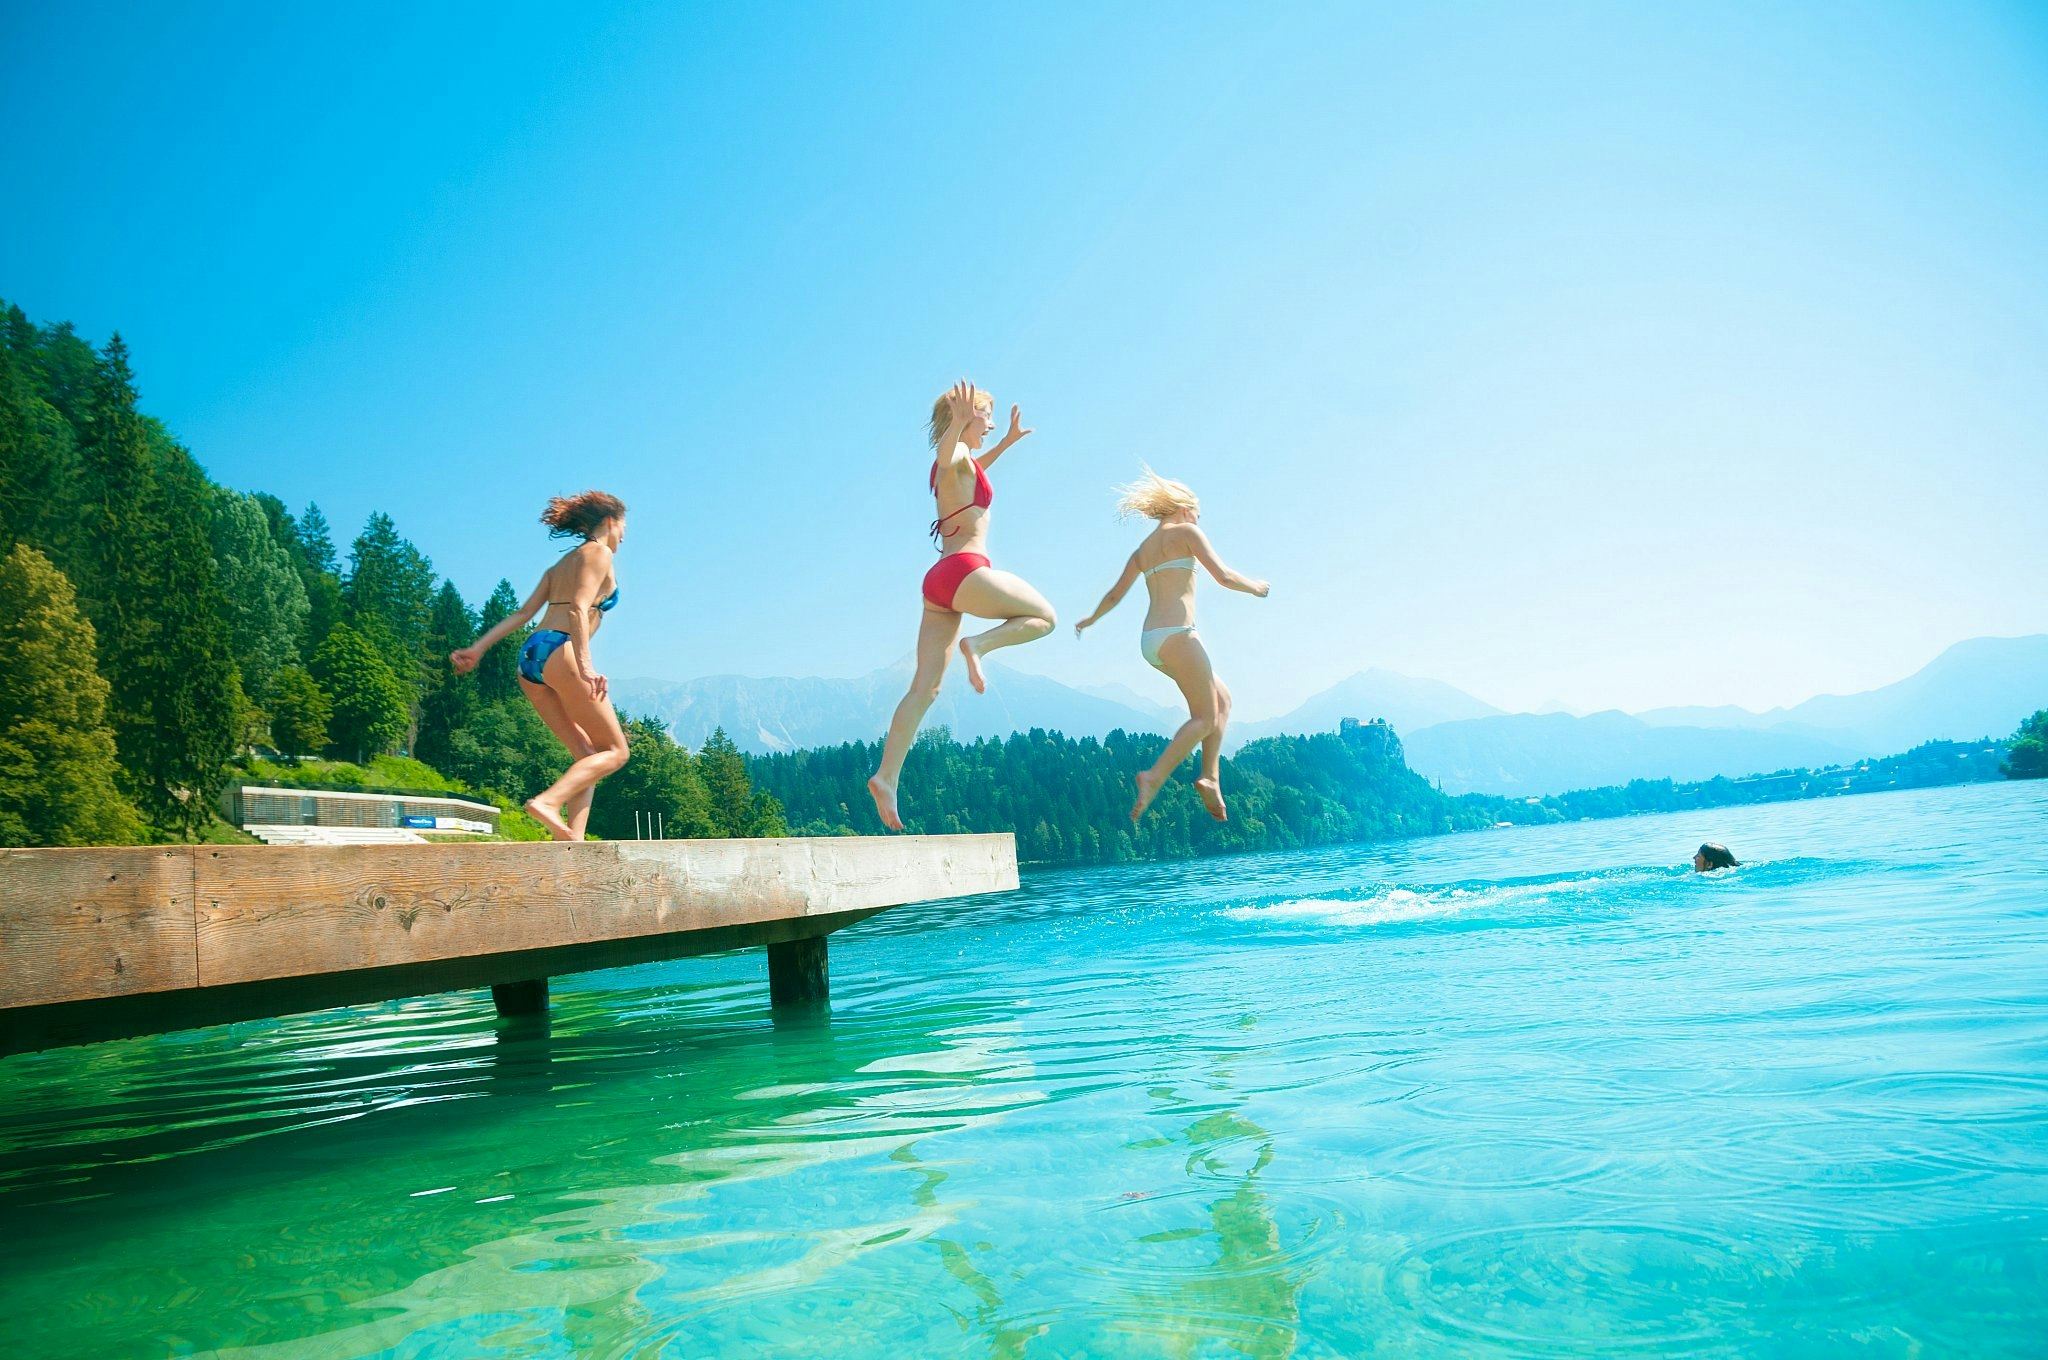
(1534, 1092)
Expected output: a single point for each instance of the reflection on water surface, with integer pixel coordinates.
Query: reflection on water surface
(1538, 1092)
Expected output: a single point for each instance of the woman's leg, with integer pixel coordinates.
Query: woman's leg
(935, 634)
(575, 812)
(569, 796)
(1210, 785)
(1186, 662)
(991, 594)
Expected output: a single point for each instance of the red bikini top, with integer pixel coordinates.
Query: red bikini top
(984, 496)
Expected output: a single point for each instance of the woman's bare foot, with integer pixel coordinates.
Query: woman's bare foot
(974, 676)
(885, 802)
(557, 828)
(1148, 789)
(1212, 799)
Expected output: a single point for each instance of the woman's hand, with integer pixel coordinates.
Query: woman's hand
(1088, 622)
(1016, 432)
(1262, 588)
(464, 659)
(599, 687)
(965, 399)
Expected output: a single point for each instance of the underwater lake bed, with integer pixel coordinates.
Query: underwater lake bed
(1526, 1092)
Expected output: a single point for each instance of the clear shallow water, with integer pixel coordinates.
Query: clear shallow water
(1533, 1092)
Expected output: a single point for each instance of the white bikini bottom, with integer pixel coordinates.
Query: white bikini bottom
(1151, 638)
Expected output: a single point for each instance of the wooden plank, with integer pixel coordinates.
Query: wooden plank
(266, 912)
(76, 924)
(29, 1028)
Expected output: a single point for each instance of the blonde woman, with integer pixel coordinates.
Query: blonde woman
(962, 581)
(1167, 560)
(555, 666)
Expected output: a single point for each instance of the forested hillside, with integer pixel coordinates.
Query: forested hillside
(161, 631)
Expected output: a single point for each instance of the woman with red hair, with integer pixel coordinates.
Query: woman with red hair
(555, 667)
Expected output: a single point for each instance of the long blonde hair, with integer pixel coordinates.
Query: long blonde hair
(1154, 497)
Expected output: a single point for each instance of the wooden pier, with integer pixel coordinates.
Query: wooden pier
(108, 943)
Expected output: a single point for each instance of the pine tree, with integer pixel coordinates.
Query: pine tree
(497, 675)
(316, 541)
(368, 701)
(727, 784)
(39, 470)
(299, 713)
(389, 596)
(450, 700)
(313, 548)
(156, 606)
(57, 766)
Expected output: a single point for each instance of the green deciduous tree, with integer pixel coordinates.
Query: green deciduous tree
(2027, 757)
(507, 749)
(369, 704)
(299, 713)
(266, 597)
(660, 779)
(57, 766)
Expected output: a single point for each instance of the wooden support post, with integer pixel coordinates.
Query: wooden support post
(521, 998)
(798, 974)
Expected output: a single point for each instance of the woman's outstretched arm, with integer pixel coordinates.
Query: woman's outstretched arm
(1205, 553)
(464, 659)
(987, 460)
(951, 453)
(1115, 596)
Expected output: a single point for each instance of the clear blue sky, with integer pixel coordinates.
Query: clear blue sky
(1605, 355)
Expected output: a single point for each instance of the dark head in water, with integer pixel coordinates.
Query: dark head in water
(1713, 856)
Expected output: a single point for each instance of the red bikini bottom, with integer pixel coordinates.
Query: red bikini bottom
(947, 573)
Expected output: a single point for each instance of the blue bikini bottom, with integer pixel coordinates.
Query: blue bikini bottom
(533, 657)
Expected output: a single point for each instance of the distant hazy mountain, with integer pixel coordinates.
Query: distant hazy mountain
(1536, 753)
(785, 713)
(1978, 688)
(1407, 703)
(1130, 698)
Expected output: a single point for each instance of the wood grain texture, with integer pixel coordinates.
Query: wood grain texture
(27, 1028)
(76, 924)
(270, 912)
(103, 943)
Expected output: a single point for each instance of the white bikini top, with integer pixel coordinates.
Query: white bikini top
(1177, 564)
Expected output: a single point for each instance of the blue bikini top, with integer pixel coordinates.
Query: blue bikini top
(604, 605)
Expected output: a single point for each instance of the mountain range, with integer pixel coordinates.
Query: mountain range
(1982, 687)
(790, 714)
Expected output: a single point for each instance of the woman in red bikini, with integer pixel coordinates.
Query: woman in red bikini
(962, 581)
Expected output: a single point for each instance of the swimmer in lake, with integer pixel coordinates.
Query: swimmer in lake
(1712, 856)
